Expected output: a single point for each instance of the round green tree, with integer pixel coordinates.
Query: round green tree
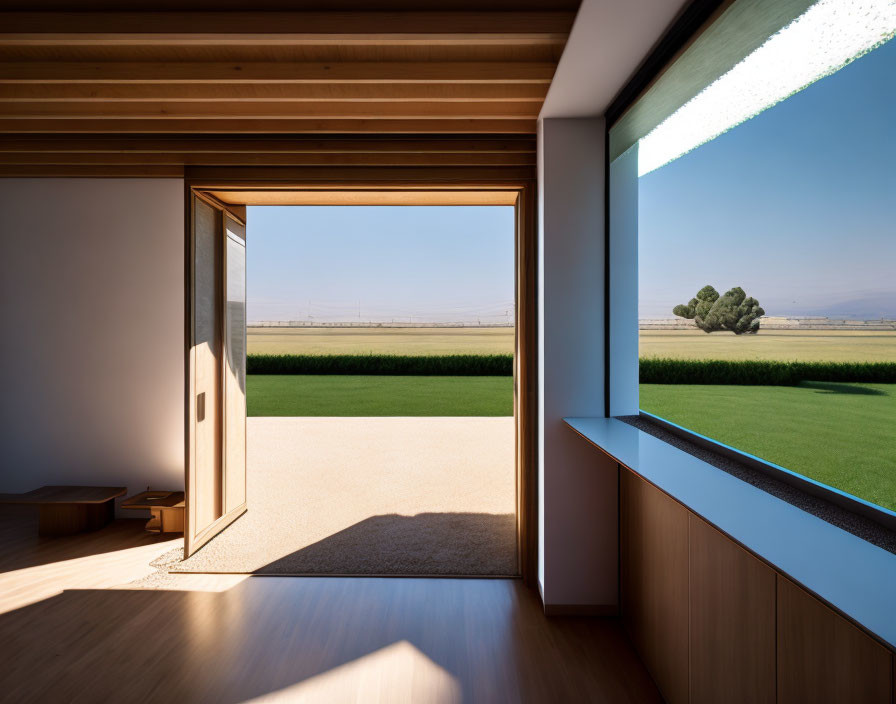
(733, 311)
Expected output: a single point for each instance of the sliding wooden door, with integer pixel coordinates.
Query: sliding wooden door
(216, 402)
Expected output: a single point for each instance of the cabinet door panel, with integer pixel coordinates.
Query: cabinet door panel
(823, 658)
(732, 621)
(654, 582)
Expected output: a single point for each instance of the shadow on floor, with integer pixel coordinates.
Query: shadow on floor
(428, 544)
(425, 544)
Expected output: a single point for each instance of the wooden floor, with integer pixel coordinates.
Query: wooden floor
(68, 634)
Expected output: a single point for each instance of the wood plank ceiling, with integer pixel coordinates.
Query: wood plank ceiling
(152, 92)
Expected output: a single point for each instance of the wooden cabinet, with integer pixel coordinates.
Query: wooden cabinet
(654, 582)
(714, 623)
(822, 657)
(732, 621)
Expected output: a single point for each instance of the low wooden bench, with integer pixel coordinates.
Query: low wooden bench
(65, 510)
(167, 508)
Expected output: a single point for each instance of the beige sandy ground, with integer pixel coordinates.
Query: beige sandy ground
(786, 345)
(474, 340)
(414, 496)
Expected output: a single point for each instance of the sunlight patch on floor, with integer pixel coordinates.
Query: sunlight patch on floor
(29, 585)
(396, 673)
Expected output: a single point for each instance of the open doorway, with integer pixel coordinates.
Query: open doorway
(383, 430)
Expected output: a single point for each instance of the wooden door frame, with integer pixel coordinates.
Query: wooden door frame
(519, 180)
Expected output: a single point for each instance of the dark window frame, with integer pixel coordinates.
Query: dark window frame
(698, 15)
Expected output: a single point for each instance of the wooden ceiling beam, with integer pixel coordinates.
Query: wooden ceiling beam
(404, 41)
(285, 5)
(405, 179)
(102, 171)
(257, 126)
(288, 92)
(80, 144)
(311, 178)
(272, 159)
(107, 74)
(273, 177)
(277, 72)
(217, 27)
(271, 110)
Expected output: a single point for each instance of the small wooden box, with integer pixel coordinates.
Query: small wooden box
(166, 507)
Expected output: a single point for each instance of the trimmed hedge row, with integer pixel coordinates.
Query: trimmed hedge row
(762, 373)
(382, 364)
(652, 370)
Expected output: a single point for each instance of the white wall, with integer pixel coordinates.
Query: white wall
(577, 486)
(624, 284)
(608, 41)
(91, 354)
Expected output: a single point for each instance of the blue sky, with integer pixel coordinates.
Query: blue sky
(432, 263)
(797, 205)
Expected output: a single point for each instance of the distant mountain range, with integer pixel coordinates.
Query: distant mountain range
(870, 307)
(873, 307)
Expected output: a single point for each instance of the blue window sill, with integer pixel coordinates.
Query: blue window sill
(854, 576)
(878, 514)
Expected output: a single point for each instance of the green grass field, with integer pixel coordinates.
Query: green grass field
(272, 395)
(411, 341)
(842, 435)
(781, 345)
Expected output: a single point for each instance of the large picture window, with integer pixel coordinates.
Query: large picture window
(766, 229)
